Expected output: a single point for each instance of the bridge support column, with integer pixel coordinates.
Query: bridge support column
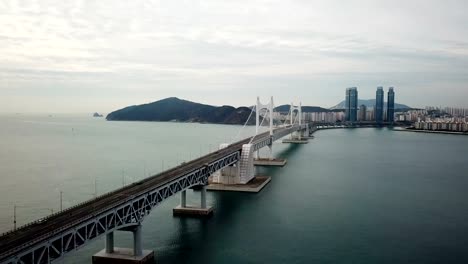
(137, 248)
(203, 197)
(110, 243)
(193, 211)
(270, 149)
(183, 199)
(112, 255)
(306, 133)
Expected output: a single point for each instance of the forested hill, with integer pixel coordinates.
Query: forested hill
(178, 110)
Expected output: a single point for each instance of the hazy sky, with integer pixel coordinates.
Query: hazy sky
(86, 56)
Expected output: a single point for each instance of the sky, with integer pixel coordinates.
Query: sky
(83, 56)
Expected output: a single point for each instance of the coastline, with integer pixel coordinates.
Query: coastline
(432, 132)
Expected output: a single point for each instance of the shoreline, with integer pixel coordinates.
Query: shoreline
(432, 132)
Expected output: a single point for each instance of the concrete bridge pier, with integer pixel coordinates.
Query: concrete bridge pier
(137, 244)
(115, 255)
(299, 138)
(270, 161)
(239, 177)
(307, 133)
(185, 210)
(110, 243)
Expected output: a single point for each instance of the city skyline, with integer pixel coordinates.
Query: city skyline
(86, 56)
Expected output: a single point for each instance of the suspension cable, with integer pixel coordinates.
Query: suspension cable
(295, 118)
(261, 123)
(284, 121)
(246, 122)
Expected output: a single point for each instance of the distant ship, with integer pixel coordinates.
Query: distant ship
(97, 115)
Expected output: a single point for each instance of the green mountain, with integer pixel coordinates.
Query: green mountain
(305, 109)
(175, 109)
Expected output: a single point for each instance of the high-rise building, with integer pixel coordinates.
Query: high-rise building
(351, 104)
(390, 105)
(362, 112)
(379, 105)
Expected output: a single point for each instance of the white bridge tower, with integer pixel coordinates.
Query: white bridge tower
(269, 108)
(301, 135)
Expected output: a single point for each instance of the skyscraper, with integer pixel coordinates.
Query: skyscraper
(362, 112)
(390, 105)
(379, 105)
(351, 104)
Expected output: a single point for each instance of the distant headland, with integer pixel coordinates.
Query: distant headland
(178, 110)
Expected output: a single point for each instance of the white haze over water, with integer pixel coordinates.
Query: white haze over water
(85, 56)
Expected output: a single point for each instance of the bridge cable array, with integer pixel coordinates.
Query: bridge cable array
(295, 118)
(253, 109)
(261, 123)
(286, 118)
(242, 128)
(280, 122)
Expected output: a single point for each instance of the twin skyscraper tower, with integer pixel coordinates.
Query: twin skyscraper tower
(378, 115)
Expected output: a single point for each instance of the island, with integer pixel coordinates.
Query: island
(96, 114)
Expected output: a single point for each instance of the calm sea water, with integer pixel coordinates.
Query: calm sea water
(349, 196)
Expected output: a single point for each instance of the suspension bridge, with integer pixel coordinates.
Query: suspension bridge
(50, 239)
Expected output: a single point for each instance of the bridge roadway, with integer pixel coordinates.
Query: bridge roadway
(40, 231)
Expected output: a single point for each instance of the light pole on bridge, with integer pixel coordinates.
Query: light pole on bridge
(22, 206)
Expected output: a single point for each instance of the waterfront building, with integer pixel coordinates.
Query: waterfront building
(362, 113)
(447, 111)
(442, 125)
(390, 105)
(327, 117)
(379, 105)
(370, 115)
(351, 104)
(456, 112)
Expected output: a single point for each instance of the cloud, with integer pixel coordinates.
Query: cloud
(201, 47)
